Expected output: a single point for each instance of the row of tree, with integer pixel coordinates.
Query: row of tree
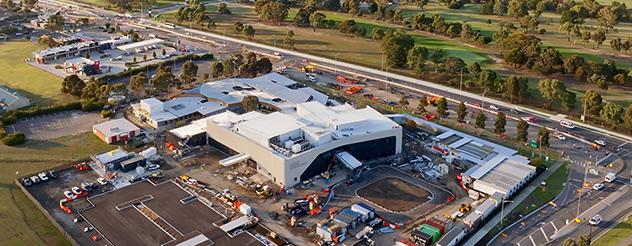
(249, 66)
(195, 12)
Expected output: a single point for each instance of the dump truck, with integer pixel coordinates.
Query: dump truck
(346, 80)
(353, 90)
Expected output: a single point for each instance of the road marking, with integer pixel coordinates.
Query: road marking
(545, 236)
(532, 241)
(607, 204)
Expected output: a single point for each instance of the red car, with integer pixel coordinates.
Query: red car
(529, 119)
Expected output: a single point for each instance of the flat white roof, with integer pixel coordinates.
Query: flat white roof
(140, 44)
(112, 155)
(65, 48)
(115, 127)
(178, 107)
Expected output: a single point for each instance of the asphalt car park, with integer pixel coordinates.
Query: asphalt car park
(56, 124)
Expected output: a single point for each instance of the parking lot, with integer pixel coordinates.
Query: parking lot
(155, 214)
(56, 124)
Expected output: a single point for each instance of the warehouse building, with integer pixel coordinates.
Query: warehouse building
(11, 99)
(115, 131)
(65, 51)
(175, 112)
(141, 46)
(493, 167)
(114, 42)
(290, 146)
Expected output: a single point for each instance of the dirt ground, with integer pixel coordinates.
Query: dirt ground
(394, 194)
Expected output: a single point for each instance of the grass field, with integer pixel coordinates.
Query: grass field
(617, 234)
(41, 87)
(21, 222)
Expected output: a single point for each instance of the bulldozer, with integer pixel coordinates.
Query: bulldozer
(465, 208)
(264, 192)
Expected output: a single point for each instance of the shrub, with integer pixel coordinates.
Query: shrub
(13, 139)
(89, 105)
(106, 113)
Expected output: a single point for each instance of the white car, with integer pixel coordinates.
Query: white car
(493, 107)
(600, 142)
(595, 220)
(76, 190)
(102, 181)
(35, 179)
(69, 194)
(560, 137)
(153, 167)
(598, 186)
(43, 176)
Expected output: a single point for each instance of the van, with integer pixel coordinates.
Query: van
(610, 177)
(567, 124)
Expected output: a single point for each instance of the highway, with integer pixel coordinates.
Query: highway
(576, 148)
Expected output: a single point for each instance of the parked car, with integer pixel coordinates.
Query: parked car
(76, 190)
(600, 142)
(52, 174)
(152, 167)
(88, 186)
(598, 186)
(69, 194)
(35, 179)
(137, 179)
(42, 176)
(595, 220)
(102, 181)
(26, 182)
(494, 107)
(560, 136)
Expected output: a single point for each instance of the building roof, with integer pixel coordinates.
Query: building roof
(271, 88)
(112, 156)
(196, 127)
(115, 127)
(178, 107)
(9, 96)
(79, 60)
(64, 48)
(144, 43)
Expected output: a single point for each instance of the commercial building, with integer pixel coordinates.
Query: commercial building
(175, 112)
(65, 51)
(114, 131)
(11, 99)
(115, 42)
(494, 168)
(274, 91)
(141, 46)
(82, 66)
(290, 146)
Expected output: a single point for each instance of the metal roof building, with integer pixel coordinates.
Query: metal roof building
(118, 130)
(11, 99)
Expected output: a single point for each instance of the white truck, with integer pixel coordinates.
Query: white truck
(610, 177)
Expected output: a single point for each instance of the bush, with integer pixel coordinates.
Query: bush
(12, 116)
(89, 105)
(106, 113)
(13, 139)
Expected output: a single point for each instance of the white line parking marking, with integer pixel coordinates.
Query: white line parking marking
(554, 227)
(545, 236)
(532, 241)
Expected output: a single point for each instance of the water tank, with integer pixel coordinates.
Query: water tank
(296, 148)
(289, 144)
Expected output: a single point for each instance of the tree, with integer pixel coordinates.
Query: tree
(417, 57)
(612, 113)
(608, 19)
(599, 81)
(421, 3)
(289, 38)
(500, 123)
(14, 138)
(474, 69)
(263, 65)
(403, 101)
(486, 81)
(94, 91)
(423, 102)
(274, 12)
(570, 242)
(598, 37)
(529, 23)
(72, 85)
(480, 120)
(461, 112)
(500, 7)
(454, 65)
(163, 78)
(316, 20)
(348, 27)
(229, 67)
(516, 88)
(8, 4)
(377, 34)
(217, 69)
(301, 19)
(522, 131)
(249, 31)
(250, 103)
(543, 137)
(592, 102)
(189, 72)
(331, 5)
(518, 8)
(550, 62)
(442, 107)
(396, 46)
(572, 63)
(627, 118)
(238, 27)
(350, 6)
(569, 99)
(584, 240)
(56, 22)
(137, 83)
(223, 9)
(551, 90)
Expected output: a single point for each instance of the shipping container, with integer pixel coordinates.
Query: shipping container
(472, 219)
(434, 232)
(486, 208)
(366, 214)
(435, 224)
(421, 238)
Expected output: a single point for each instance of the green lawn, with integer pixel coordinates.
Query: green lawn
(21, 222)
(617, 234)
(41, 87)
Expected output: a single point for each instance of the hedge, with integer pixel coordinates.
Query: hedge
(13, 139)
(136, 70)
(12, 116)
